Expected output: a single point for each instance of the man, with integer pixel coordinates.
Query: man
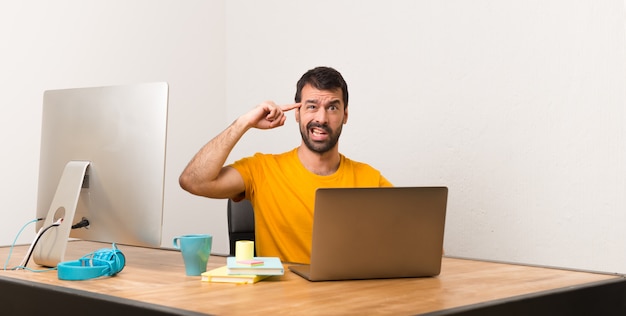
(282, 187)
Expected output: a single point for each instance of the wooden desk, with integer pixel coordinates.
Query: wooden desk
(154, 282)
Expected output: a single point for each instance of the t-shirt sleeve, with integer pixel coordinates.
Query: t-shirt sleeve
(244, 167)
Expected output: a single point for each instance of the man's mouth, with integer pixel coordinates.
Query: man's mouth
(318, 133)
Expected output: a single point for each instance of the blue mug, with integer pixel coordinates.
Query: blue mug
(196, 249)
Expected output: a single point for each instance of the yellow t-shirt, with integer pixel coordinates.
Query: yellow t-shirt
(282, 192)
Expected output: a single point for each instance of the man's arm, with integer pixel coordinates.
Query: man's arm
(206, 175)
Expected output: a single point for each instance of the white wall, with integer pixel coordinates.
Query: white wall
(516, 106)
(78, 43)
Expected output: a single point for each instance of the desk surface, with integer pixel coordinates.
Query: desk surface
(157, 276)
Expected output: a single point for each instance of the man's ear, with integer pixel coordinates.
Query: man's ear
(345, 115)
(297, 114)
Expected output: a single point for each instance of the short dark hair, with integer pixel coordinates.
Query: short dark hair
(323, 78)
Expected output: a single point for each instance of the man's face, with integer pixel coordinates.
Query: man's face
(321, 117)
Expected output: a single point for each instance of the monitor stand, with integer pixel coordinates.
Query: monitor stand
(50, 248)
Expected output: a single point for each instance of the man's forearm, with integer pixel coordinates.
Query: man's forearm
(205, 166)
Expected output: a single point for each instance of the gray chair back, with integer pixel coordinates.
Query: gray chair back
(240, 222)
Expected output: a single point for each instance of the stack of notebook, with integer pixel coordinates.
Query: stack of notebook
(245, 271)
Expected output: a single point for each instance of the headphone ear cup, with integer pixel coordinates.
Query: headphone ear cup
(120, 259)
(114, 256)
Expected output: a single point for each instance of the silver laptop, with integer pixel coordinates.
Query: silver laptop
(373, 233)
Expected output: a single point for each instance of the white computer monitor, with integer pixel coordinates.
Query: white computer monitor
(103, 152)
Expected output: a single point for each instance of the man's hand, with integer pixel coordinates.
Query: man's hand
(269, 115)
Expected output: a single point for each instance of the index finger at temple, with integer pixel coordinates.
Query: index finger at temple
(290, 106)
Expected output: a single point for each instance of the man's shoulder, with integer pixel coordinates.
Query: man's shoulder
(267, 156)
(259, 159)
(355, 163)
(358, 166)
(366, 172)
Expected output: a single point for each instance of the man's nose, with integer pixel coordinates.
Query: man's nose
(321, 116)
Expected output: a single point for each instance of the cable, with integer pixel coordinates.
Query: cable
(32, 246)
(15, 240)
(83, 223)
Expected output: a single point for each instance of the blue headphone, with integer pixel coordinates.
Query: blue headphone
(103, 262)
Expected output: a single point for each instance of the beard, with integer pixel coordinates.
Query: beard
(320, 147)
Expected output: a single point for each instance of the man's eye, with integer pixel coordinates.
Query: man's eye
(333, 108)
